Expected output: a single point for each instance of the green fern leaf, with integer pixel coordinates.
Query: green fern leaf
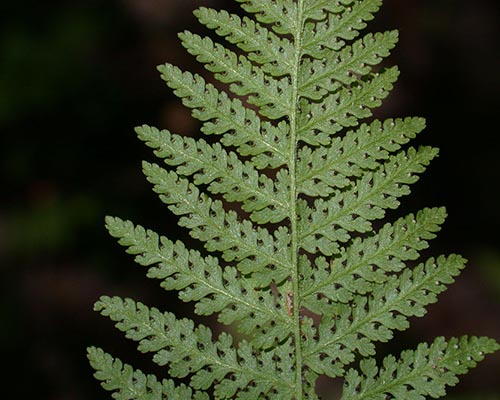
(343, 22)
(369, 260)
(263, 46)
(343, 109)
(328, 223)
(189, 350)
(272, 96)
(223, 171)
(328, 168)
(130, 384)
(241, 126)
(281, 15)
(204, 281)
(423, 372)
(256, 249)
(286, 204)
(329, 74)
(373, 318)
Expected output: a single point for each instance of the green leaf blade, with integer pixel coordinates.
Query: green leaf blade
(240, 126)
(272, 96)
(256, 250)
(282, 16)
(373, 318)
(202, 280)
(343, 22)
(347, 66)
(371, 260)
(328, 168)
(344, 108)
(284, 196)
(275, 54)
(129, 384)
(426, 371)
(223, 172)
(187, 349)
(323, 226)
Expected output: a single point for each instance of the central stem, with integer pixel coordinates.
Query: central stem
(294, 240)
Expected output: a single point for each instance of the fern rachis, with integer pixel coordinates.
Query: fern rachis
(303, 275)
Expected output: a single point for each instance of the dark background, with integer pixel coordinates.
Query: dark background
(77, 76)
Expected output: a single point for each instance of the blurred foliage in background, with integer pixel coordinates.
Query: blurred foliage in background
(77, 76)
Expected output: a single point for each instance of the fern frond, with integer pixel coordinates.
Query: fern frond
(327, 224)
(343, 22)
(127, 383)
(343, 109)
(199, 279)
(262, 46)
(368, 260)
(325, 169)
(287, 200)
(426, 371)
(368, 319)
(224, 173)
(189, 350)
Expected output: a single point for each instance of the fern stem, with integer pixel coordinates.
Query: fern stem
(292, 166)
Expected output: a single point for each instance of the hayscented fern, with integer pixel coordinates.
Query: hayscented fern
(300, 270)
